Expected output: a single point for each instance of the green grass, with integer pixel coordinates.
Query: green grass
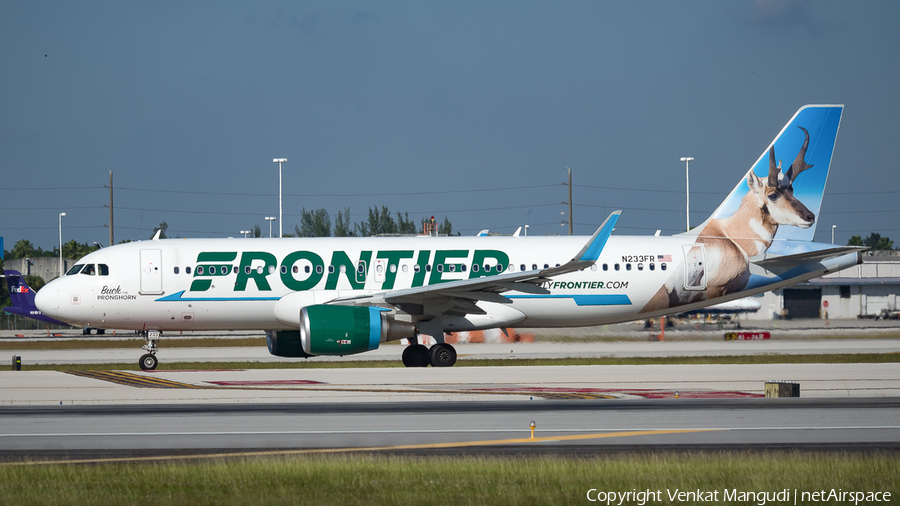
(85, 344)
(854, 358)
(377, 479)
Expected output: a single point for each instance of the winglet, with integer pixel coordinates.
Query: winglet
(591, 251)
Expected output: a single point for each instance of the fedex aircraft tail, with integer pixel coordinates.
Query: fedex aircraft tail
(783, 189)
(22, 298)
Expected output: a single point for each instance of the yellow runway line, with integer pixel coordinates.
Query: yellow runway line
(461, 444)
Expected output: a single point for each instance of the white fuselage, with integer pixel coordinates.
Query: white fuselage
(261, 284)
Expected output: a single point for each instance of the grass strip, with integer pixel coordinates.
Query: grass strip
(380, 479)
(853, 358)
(85, 344)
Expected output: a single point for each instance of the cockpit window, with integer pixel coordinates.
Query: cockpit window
(89, 269)
(104, 269)
(74, 269)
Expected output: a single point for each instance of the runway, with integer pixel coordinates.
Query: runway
(621, 348)
(585, 426)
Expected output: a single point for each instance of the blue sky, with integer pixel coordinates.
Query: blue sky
(469, 110)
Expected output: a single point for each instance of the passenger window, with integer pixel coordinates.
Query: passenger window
(534, 267)
(176, 270)
(246, 270)
(462, 267)
(284, 269)
(404, 268)
(428, 268)
(452, 267)
(259, 270)
(652, 267)
(662, 266)
(187, 270)
(330, 269)
(319, 269)
(343, 269)
(640, 267)
(296, 269)
(104, 269)
(605, 267)
(200, 269)
(361, 268)
(499, 268)
(306, 269)
(627, 267)
(487, 268)
(594, 267)
(522, 267)
(234, 269)
(474, 267)
(271, 269)
(617, 267)
(393, 268)
(89, 269)
(546, 266)
(440, 267)
(224, 269)
(416, 268)
(378, 268)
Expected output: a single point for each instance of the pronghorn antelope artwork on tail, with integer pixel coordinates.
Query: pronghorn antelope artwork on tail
(718, 262)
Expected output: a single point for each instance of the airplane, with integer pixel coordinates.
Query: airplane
(347, 295)
(21, 296)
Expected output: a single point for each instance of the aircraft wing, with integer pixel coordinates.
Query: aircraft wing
(459, 297)
(811, 256)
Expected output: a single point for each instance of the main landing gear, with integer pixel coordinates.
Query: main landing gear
(148, 361)
(439, 355)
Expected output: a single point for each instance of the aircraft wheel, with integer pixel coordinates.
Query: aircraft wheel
(416, 355)
(442, 355)
(86, 331)
(148, 362)
(100, 332)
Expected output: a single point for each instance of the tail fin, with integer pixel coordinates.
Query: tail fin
(813, 159)
(22, 298)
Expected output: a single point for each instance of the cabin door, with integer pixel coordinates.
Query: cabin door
(694, 267)
(151, 272)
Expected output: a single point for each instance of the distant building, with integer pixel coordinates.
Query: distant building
(45, 267)
(865, 290)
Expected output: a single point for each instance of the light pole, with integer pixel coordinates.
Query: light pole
(526, 230)
(279, 161)
(687, 179)
(60, 243)
(270, 219)
(832, 233)
(245, 232)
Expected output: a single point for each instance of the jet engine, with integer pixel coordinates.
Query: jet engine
(338, 330)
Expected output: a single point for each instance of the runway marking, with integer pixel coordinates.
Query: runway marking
(133, 380)
(432, 446)
(435, 431)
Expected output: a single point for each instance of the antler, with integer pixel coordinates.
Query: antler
(798, 166)
(774, 170)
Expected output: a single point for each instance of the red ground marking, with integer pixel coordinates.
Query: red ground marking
(193, 370)
(645, 393)
(265, 383)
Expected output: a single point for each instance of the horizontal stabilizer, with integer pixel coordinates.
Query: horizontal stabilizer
(768, 262)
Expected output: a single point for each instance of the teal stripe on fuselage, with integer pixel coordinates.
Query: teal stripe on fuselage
(584, 300)
(177, 297)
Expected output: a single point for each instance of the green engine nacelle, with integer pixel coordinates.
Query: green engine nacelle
(345, 330)
(285, 343)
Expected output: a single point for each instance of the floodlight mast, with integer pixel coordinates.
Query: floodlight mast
(279, 161)
(60, 244)
(687, 180)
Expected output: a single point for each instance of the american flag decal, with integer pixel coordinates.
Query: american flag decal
(664, 258)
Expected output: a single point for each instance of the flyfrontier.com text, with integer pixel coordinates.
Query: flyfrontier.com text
(784, 496)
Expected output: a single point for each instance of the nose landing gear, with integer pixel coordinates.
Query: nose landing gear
(148, 361)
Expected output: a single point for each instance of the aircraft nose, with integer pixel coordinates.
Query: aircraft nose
(45, 300)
